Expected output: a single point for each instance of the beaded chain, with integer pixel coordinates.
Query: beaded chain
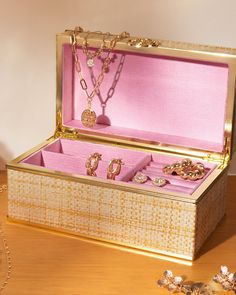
(5, 250)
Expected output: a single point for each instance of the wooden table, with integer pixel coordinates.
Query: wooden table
(55, 264)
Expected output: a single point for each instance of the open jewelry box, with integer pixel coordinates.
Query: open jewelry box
(160, 102)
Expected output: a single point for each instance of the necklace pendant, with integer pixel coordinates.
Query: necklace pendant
(88, 118)
(90, 62)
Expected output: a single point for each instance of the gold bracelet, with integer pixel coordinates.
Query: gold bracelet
(186, 170)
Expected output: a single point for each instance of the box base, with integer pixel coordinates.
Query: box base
(180, 259)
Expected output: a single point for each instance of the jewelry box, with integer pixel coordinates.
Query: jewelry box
(159, 102)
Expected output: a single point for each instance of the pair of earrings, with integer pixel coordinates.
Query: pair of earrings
(113, 169)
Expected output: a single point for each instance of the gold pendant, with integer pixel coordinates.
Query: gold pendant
(88, 118)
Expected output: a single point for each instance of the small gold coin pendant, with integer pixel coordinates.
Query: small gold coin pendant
(88, 118)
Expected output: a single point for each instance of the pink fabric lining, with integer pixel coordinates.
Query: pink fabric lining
(152, 137)
(70, 156)
(156, 98)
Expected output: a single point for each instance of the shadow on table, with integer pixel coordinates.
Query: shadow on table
(227, 226)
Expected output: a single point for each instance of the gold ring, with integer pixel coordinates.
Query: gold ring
(159, 181)
(140, 177)
(92, 164)
(112, 171)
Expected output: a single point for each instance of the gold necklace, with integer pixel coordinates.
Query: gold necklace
(6, 251)
(91, 55)
(103, 119)
(89, 117)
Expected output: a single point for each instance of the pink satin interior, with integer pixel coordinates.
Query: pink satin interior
(153, 98)
(70, 156)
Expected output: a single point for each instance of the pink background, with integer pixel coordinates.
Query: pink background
(156, 98)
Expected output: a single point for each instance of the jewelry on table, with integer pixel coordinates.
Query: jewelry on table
(6, 251)
(176, 284)
(88, 117)
(92, 164)
(140, 177)
(159, 181)
(186, 170)
(112, 171)
(3, 187)
(226, 278)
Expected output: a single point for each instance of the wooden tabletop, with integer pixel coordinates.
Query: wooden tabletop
(54, 264)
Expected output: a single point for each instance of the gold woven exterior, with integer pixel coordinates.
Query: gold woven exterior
(210, 210)
(149, 223)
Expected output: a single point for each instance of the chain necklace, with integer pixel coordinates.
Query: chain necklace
(97, 53)
(103, 119)
(89, 117)
(6, 251)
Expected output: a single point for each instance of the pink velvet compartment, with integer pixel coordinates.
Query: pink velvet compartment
(152, 98)
(70, 156)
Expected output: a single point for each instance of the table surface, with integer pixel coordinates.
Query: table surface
(53, 264)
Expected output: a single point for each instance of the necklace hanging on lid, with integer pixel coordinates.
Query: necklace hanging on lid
(96, 53)
(88, 116)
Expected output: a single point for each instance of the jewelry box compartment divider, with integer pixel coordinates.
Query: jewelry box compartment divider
(70, 156)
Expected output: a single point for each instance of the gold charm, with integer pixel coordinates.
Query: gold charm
(88, 118)
(90, 62)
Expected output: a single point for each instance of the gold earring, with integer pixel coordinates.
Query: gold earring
(140, 177)
(92, 164)
(159, 181)
(112, 171)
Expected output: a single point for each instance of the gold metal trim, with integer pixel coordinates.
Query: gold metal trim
(152, 191)
(160, 254)
(143, 42)
(92, 136)
(221, 55)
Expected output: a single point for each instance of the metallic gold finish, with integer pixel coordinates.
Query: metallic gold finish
(92, 164)
(159, 181)
(6, 250)
(3, 188)
(177, 284)
(226, 278)
(143, 42)
(18, 166)
(112, 171)
(172, 49)
(160, 254)
(88, 118)
(175, 50)
(140, 177)
(186, 170)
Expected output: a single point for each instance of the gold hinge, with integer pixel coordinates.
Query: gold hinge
(226, 153)
(221, 158)
(67, 133)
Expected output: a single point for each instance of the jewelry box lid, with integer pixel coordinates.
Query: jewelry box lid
(162, 95)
